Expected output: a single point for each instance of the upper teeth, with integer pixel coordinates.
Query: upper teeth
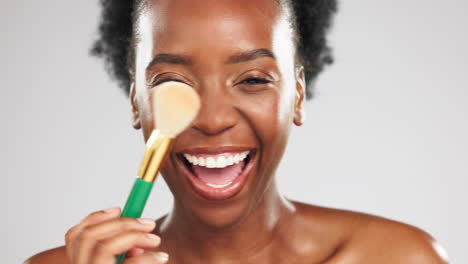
(218, 161)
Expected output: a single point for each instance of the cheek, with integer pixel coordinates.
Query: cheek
(145, 111)
(270, 114)
(265, 115)
(270, 117)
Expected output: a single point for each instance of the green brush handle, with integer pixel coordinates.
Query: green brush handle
(135, 204)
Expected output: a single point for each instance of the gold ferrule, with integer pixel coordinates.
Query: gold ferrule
(156, 148)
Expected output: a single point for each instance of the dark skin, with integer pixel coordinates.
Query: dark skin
(249, 103)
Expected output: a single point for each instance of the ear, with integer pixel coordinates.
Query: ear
(135, 113)
(299, 113)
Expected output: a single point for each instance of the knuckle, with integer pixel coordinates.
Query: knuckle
(137, 237)
(95, 213)
(101, 248)
(133, 236)
(129, 223)
(92, 215)
(84, 235)
(71, 234)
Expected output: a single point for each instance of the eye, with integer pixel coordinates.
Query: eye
(165, 79)
(255, 83)
(255, 80)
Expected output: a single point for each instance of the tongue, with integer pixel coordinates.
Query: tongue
(218, 176)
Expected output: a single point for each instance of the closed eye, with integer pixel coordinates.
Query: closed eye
(254, 81)
(166, 79)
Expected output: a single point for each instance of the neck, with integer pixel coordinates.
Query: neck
(246, 238)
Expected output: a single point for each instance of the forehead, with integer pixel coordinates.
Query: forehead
(187, 26)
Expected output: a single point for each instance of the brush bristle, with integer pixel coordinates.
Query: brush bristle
(175, 106)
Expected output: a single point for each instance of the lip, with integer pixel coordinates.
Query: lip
(212, 193)
(218, 150)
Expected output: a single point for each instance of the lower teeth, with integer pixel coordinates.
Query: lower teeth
(218, 186)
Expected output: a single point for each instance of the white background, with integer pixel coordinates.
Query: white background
(387, 133)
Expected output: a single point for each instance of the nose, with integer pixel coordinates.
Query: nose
(217, 113)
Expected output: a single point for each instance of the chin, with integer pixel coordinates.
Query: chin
(221, 217)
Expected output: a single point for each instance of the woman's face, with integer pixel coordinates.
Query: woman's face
(239, 56)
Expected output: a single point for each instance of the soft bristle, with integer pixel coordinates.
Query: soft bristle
(175, 105)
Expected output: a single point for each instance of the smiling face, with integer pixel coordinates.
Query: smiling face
(239, 56)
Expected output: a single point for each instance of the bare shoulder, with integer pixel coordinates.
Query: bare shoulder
(365, 238)
(52, 256)
(395, 242)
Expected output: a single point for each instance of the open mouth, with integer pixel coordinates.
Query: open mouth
(217, 176)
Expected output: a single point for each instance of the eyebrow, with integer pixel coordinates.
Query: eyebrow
(244, 56)
(170, 59)
(250, 55)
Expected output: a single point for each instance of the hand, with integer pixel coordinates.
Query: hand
(103, 235)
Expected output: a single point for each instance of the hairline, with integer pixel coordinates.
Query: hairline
(141, 5)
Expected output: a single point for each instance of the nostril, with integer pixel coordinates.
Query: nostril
(207, 130)
(217, 114)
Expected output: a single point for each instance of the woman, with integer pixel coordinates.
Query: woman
(252, 63)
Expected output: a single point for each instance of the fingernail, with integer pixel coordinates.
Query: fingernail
(153, 238)
(146, 221)
(111, 210)
(161, 256)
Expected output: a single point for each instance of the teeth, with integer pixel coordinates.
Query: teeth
(218, 185)
(229, 161)
(221, 162)
(217, 162)
(236, 158)
(210, 162)
(201, 161)
(243, 155)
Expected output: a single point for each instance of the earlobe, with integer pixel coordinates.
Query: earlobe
(135, 113)
(299, 113)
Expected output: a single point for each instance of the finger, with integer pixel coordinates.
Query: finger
(135, 252)
(100, 216)
(106, 250)
(148, 257)
(91, 235)
(93, 218)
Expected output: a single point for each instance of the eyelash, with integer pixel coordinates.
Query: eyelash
(167, 79)
(248, 81)
(256, 80)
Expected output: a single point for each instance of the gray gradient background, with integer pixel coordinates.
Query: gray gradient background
(386, 135)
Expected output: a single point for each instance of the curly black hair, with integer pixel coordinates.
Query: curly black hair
(311, 19)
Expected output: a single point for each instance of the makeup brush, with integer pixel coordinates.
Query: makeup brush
(175, 105)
